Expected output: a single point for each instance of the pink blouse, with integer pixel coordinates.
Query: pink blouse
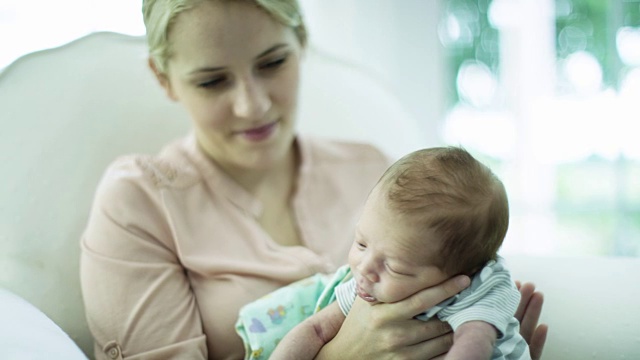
(172, 249)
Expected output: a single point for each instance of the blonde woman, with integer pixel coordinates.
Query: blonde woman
(177, 243)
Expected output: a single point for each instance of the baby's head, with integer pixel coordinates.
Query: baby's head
(435, 213)
(451, 194)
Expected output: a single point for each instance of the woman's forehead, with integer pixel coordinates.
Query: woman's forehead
(223, 32)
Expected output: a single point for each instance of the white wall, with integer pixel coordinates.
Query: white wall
(397, 40)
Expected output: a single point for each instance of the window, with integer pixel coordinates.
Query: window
(545, 91)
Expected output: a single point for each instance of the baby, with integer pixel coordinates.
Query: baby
(434, 214)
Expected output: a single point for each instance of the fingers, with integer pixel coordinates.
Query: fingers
(526, 291)
(436, 348)
(531, 316)
(416, 331)
(432, 336)
(528, 313)
(434, 328)
(427, 298)
(537, 341)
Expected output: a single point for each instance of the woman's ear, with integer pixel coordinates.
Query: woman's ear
(163, 80)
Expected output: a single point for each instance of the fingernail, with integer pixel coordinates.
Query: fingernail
(463, 281)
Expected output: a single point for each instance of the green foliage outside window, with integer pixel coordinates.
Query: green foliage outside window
(597, 207)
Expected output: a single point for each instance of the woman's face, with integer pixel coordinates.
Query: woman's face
(236, 71)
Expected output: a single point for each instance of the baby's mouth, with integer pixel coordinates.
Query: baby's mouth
(365, 296)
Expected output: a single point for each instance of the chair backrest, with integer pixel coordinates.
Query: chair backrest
(67, 112)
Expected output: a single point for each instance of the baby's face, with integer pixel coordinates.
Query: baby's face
(389, 257)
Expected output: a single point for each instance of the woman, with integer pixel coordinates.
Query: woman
(177, 243)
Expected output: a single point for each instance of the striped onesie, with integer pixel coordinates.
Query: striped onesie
(492, 297)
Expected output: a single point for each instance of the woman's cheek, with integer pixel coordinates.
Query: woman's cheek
(210, 115)
(286, 91)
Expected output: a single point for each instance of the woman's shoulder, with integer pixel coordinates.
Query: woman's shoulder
(170, 168)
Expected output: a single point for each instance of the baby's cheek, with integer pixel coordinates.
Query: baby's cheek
(399, 291)
(352, 258)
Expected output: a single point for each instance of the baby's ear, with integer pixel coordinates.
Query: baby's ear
(163, 80)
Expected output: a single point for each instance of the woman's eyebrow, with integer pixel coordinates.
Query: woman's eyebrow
(206, 70)
(262, 54)
(274, 48)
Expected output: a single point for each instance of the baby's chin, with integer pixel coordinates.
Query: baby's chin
(372, 300)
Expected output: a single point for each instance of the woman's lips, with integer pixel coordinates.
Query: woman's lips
(259, 133)
(365, 296)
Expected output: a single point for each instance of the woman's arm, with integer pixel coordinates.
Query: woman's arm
(137, 297)
(385, 331)
(306, 339)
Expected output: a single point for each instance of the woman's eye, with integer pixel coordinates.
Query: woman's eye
(272, 65)
(213, 83)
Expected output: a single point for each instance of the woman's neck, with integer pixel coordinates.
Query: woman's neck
(278, 177)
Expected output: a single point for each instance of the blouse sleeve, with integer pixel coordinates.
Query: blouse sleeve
(138, 300)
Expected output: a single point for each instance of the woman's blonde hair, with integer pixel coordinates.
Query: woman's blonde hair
(160, 15)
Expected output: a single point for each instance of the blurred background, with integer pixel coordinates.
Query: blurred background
(543, 91)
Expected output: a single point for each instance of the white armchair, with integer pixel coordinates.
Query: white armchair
(67, 112)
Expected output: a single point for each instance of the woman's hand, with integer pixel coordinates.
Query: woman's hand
(528, 314)
(385, 331)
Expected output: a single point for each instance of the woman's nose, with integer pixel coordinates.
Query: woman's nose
(251, 100)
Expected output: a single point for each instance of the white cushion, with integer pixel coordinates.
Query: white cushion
(27, 333)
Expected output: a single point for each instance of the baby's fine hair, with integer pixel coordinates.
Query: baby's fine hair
(449, 192)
